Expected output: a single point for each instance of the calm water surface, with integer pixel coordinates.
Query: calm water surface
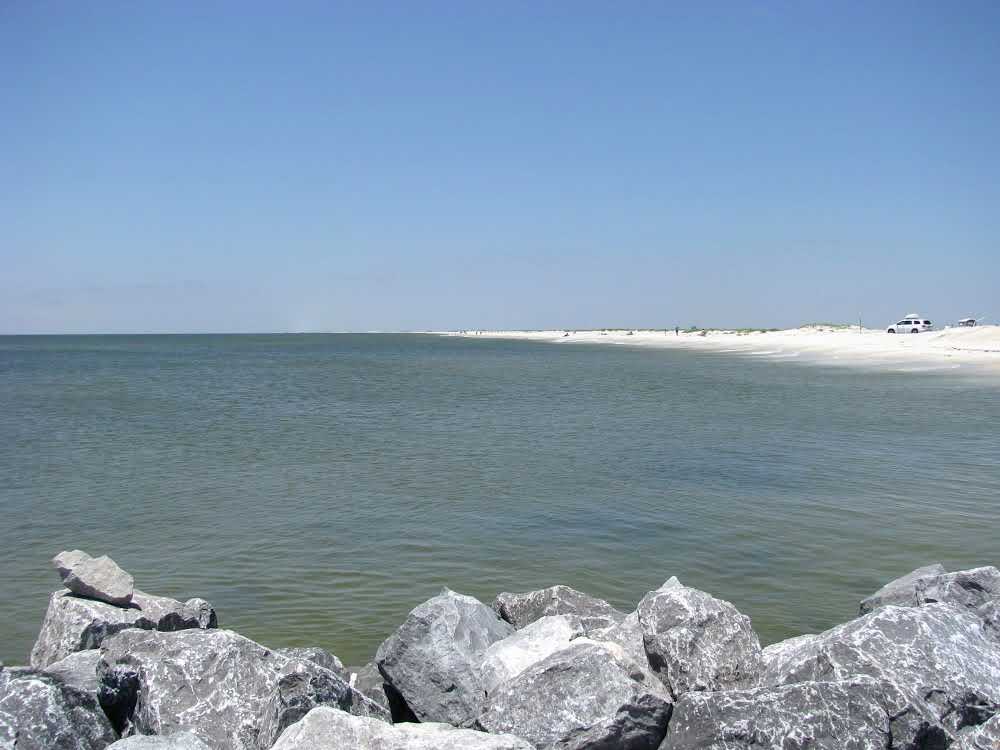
(316, 488)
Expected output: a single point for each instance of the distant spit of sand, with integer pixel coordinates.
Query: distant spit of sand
(944, 349)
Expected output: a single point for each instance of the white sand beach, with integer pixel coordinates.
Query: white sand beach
(949, 348)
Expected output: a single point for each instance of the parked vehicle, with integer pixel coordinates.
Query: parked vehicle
(912, 323)
(967, 322)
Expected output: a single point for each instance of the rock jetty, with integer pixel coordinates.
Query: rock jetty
(554, 669)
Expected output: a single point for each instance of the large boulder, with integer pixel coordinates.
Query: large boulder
(984, 737)
(939, 653)
(523, 609)
(433, 659)
(39, 712)
(177, 741)
(529, 645)
(78, 670)
(227, 690)
(696, 642)
(74, 624)
(901, 591)
(932, 584)
(95, 577)
(587, 695)
(328, 729)
(856, 714)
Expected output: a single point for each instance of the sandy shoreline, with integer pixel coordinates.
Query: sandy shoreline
(949, 348)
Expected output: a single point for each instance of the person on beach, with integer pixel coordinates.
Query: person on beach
(677, 330)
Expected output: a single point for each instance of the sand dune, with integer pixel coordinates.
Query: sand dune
(945, 349)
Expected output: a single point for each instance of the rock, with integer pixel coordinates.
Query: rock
(318, 655)
(627, 634)
(523, 609)
(777, 651)
(989, 613)
(39, 712)
(298, 693)
(901, 590)
(64, 562)
(532, 643)
(433, 658)
(930, 584)
(588, 695)
(984, 737)
(938, 653)
(99, 578)
(78, 670)
(74, 624)
(965, 588)
(328, 729)
(856, 714)
(178, 741)
(222, 687)
(696, 642)
(369, 681)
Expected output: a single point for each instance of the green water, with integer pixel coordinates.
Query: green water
(315, 488)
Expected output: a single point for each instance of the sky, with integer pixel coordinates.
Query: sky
(243, 166)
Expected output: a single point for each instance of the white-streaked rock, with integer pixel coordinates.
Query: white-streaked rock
(319, 655)
(433, 659)
(532, 643)
(983, 737)
(65, 561)
(74, 624)
(587, 695)
(626, 634)
(856, 714)
(40, 712)
(231, 692)
(696, 642)
(965, 588)
(176, 741)
(900, 591)
(523, 609)
(938, 653)
(328, 729)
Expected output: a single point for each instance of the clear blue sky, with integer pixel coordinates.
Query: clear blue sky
(323, 166)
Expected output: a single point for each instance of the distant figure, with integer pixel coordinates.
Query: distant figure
(677, 330)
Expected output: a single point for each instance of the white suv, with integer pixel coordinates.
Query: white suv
(912, 323)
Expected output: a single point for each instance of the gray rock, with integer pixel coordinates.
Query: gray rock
(627, 634)
(931, 584)
(178, 741)
(529, 645)
(989, 613)
(433, 658)
(74, 624)
(984, 737)
(965, 588)
(39, 712)
(778, 651)
(523, 609)
(937, 653)
(588, 695)
(901, 591)
(369, 682)
(100, 578)
(64, 562)
(78, 670)
(328, 729)
(315, 654)
(229, 691)
(696, 642)
(856, 714)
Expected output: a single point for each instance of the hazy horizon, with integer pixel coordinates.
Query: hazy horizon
(225, 169)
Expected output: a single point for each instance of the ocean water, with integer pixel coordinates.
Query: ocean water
(316, 488)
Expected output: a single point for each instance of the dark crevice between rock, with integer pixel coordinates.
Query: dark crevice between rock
(118, 694)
